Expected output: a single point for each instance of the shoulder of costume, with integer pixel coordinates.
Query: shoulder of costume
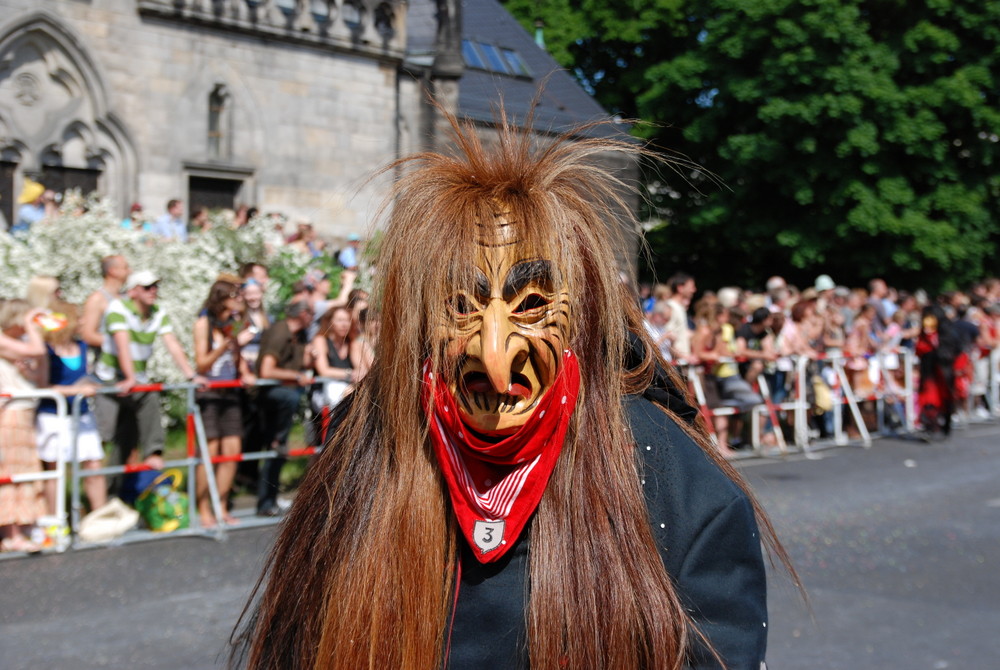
(683, 488)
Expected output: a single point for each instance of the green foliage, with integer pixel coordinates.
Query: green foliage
(857, 138)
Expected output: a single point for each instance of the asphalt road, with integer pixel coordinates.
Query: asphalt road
(898, 547)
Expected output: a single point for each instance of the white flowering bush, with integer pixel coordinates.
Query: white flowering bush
(71, 246)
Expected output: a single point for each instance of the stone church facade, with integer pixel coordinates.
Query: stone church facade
(289, 105)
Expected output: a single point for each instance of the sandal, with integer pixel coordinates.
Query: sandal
(19, 544)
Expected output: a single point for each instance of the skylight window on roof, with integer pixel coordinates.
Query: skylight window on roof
(471, 55)
(493, 58)
(515, 63)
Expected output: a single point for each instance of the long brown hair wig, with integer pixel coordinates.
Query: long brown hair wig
(362, 574)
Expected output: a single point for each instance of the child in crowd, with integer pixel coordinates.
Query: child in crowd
(66, 358)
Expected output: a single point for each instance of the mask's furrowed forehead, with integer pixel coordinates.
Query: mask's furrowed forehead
(501, 230)
(505, 243)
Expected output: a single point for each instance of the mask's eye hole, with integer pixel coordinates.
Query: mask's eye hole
(533, 301)
(461, 304)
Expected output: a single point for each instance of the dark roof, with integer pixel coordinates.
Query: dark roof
(563, 103)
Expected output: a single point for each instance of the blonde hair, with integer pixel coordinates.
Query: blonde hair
(12, 312)
(42, 291)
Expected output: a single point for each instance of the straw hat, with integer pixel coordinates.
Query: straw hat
(31, 192)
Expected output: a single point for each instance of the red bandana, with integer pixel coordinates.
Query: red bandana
(496, 486)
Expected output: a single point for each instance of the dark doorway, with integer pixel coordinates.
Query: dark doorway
(212, 193)
(62, 179)
(7, 195)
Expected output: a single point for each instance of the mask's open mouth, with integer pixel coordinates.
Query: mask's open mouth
(478, 392)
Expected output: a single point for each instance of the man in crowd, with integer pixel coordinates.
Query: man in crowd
(777, 293)
(255, 271)
(755, 344)
(682, 290)
(283, 357)
(132, 326)
(171, 225)
(878, 292)
(656, 322)
(114, 270)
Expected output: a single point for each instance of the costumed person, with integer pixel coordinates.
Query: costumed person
(938, 345)
(517, 482)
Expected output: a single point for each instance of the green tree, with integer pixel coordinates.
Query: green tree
(855, 138)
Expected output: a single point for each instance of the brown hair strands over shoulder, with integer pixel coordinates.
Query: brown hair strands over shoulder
(362, 574)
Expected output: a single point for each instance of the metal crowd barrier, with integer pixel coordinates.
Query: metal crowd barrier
(59, 474)
(190, 463)
(885, 389)
(197, 455)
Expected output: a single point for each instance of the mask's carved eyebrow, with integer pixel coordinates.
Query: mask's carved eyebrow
(527, 272)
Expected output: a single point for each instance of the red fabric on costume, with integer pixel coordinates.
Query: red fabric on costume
(495, 487)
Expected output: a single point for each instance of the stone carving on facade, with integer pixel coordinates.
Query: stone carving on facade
(373, 27)
(53, 102)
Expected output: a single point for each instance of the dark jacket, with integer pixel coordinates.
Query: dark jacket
(709, 543)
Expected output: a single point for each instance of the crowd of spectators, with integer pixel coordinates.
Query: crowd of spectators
(100, 350)
(734, 337)
(742, 344)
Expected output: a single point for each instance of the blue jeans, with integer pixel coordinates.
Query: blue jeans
(279, 405)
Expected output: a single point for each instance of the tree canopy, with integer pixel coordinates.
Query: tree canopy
(856, 138)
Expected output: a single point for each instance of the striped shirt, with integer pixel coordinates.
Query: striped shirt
(123, 315)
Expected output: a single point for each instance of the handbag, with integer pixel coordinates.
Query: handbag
(107, 522)
(162, 505)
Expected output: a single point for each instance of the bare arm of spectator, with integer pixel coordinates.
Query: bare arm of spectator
(125, 363)
(347, 279)
(32, 344)
(765, 353)
(987, 338)
(83, 388)
(361, 358)
(90, 320)
(705, 345)
(269, 370)
(177, 353)
(204, 355)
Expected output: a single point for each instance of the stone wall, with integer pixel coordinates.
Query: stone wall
(124, 86)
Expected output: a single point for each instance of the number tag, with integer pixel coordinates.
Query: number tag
(488, 535)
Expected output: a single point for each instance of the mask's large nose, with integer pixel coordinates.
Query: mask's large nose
(498, 350)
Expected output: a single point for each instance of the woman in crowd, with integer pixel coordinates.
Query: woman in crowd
(20, 504)
(67, 373)
(707, 347)
(256, 319)
(332, 352)
(357, 300)
(200, 222)
(861, 344)
(219, 333)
